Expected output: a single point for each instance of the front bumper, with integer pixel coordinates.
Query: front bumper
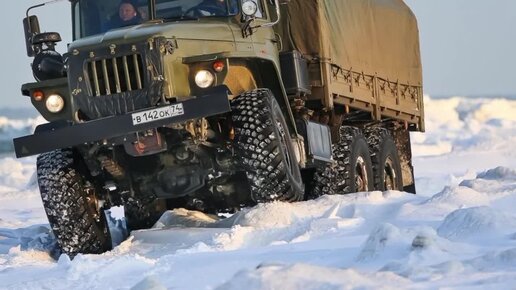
(58, 135)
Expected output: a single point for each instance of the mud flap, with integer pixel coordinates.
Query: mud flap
(401, 137)
(317, 142)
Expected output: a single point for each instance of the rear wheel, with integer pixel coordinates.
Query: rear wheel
(71, 204)
(263, 146)
(352, 171)
(385, 158)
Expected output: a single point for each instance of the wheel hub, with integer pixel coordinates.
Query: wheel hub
(283, 145)
(389, 175)
(361, 178)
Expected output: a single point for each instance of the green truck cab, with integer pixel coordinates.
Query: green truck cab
(216, 105)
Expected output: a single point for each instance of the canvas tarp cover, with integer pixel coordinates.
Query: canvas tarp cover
(371, 36)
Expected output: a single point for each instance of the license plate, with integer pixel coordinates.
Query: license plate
(158, 114)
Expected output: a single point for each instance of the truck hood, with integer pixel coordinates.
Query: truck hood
(200, 30)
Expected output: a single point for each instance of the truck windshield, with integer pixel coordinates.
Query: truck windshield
(97, 16)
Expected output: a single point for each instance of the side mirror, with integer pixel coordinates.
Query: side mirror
(31, 28)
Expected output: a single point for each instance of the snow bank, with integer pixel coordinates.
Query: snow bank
(279, 223)
(459, 197)
(497, 260)
(475, 222)
(185, 218)
(501, 109)
(149, 283)
(14, 126)
(16, 173)
(303, 276)
(461, 124)
(498, 173)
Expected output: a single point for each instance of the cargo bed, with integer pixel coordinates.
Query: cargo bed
(362, 54)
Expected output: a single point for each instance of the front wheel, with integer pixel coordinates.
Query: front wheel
(264, 147)
(71, 204)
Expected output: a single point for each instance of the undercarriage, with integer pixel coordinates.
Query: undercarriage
(194, 173)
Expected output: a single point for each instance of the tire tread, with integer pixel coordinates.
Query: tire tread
(64, 197)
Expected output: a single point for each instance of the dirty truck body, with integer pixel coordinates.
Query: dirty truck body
(219, 107)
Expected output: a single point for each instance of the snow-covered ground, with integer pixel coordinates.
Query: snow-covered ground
(459, 231)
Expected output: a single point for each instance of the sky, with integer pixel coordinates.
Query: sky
(468, 46)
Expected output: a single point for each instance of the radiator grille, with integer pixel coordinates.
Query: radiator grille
(116, 75)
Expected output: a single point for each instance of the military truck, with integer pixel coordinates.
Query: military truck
(216, 105)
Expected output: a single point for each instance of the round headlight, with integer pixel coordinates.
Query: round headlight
(249, 8)
(54, 103)
(204, 79)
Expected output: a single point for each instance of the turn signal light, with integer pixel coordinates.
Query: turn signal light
(218, 66)
(38, 95)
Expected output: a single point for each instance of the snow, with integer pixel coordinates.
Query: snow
(459, 231)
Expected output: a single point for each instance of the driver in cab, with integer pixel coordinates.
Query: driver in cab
(126, 15)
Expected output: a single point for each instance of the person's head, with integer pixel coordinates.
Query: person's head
(127, 11)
